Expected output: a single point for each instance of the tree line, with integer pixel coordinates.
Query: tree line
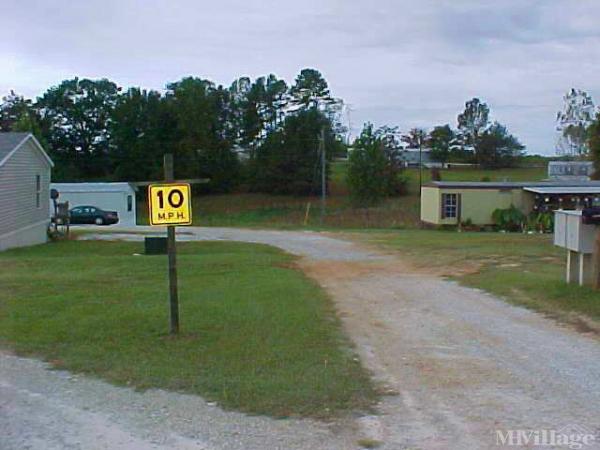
(262, 133)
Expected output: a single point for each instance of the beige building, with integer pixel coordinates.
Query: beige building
(451, 203)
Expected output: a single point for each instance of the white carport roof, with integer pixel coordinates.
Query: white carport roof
(94, 187)
(563, 189)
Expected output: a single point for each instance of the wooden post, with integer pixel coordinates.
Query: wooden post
(307, 214)
(586, 271)
(420, 167)
(596, 263)
(172, 255)
(572, 267)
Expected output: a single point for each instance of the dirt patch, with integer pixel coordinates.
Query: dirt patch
(585, 325)
(339, 270)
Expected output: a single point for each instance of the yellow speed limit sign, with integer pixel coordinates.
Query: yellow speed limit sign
(170, 204)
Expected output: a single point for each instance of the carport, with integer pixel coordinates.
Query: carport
(551, 198)
(119, 197)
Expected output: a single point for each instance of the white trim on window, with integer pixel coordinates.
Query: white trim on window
(449, 206)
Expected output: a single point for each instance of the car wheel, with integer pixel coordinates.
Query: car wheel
(99, 221)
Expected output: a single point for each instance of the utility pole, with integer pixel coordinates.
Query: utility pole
(420, 166)
(172, 254)
(323, 173)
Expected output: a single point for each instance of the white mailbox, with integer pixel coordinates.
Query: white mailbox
(571, 233)
(579, 239)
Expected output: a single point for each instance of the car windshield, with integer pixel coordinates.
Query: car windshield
(86, 210)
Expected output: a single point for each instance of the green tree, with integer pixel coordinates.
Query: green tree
(473, 121)
(275, 102)
(572, 123)
(310, 89)
(29, 122)
(204, 137)
(244, 119)
(498, 148)
(75, 119)
(415, 138)
(257, 109)
(142, 131)
(289, 161)
(594, 145)
(441, 141)
(12, 109)
(374, 170)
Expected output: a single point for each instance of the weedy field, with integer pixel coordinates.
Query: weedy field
(277, 211)
(257, 335)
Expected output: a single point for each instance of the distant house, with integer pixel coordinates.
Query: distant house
(119, 197)
(24, 190)
(411, 157)
(570, 170)
(451, 203)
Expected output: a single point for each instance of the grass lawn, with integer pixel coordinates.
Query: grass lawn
(525, 269)
(257, 335)
(277, 211)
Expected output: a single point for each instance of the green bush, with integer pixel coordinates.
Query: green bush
(374, 168)
(542, 222)
(509, 219)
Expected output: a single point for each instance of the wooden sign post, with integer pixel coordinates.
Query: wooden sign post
(170, 205)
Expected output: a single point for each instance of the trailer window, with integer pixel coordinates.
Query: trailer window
(449, 206)
(129, 203)
(38, 191)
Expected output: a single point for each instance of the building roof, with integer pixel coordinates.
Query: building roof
(8, 142)
(512, 184)
(11, 141)
(93, 187)
(571, 163)
(564, 190)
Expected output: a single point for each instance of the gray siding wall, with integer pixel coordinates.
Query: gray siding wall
(25, 236)
(18, 208)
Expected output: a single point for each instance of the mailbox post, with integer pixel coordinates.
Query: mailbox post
(576, 231)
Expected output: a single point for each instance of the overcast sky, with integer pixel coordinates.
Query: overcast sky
(405, 63)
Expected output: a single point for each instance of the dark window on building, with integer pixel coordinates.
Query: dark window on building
(129, 203)
(38, 191)
(449, 206)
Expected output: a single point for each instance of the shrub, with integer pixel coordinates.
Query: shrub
(374, 169)
(542, 222)
(509, 219)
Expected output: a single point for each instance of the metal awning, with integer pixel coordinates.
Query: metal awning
(549, 190)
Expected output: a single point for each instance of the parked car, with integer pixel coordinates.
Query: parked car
(93, 214)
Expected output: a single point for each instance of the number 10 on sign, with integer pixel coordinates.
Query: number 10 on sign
(170, 204)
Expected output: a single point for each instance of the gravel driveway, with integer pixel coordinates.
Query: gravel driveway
(457, 365)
